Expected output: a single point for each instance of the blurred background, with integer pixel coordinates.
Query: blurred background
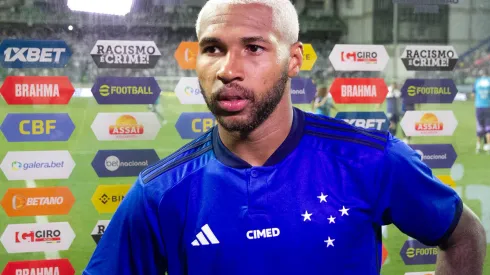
(464, 25)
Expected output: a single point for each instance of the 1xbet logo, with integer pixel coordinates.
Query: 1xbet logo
(34, 53)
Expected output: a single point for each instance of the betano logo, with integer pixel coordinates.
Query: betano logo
(126, 125)
(186, 55)
(37, 201)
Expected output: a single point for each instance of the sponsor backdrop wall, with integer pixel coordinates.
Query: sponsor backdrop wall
(70, 151)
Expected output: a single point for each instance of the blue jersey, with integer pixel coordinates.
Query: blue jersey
(315, 207)
(482, 92)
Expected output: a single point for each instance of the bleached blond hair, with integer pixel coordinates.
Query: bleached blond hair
(284, 16)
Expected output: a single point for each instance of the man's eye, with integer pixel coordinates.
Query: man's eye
(211, 49)
(255, 48)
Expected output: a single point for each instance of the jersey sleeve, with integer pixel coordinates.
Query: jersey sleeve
(131, 243)
(413, 199)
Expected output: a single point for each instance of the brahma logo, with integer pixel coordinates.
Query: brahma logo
(39, 267)
(359, 90)
(29, 90)
(37, 201)
(36, 237)
(125, 54)
(429, 123)
(34, 53)
(126, 126)
(359, 57)
(36, 165)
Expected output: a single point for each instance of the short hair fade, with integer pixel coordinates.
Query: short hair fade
(285, 18)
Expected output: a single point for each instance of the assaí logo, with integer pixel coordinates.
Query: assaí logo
(429, 123)
(19, 53)
(126, 126)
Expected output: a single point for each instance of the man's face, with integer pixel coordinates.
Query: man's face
(242, 66)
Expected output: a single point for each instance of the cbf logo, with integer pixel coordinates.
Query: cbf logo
(125, 54)
(374, 120)
(34, 53)
(429, 58)
(193, 125)
(37, 127)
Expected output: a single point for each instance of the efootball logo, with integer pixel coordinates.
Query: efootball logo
(429, 58)
(125, 54)
(17, 53)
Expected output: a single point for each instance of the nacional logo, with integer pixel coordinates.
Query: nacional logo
(126, 126)
(39, 267)
(37, 90)
(40, 201)
(429, 58)
(126, 90)
(107, 198)
(188, 91)
(302, 90)
(374, 120)
(37, 237)
(429, 123)
(18, 53)
(37, 165)
(414, 252)
(123, 163)
(192, 125)
(125, 54)
(359, 90)
(99, 230)
(34, 127)
(416, 91)
(436, 155)
(347, 57)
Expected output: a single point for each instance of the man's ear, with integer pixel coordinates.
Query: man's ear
(296, 59)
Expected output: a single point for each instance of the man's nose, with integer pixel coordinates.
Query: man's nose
(231, 68)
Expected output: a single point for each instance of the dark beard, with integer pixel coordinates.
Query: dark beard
(260, 110)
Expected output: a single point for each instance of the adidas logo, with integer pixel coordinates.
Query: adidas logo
(205, 237)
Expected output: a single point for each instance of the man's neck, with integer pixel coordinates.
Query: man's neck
(260, 144)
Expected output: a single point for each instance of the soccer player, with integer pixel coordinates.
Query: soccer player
(393, 107)
(272, 189)
(322, 104)
(481, 95)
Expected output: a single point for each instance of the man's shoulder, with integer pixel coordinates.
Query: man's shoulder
(341, 138)
(189, 158)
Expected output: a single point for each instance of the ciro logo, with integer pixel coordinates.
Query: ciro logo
(112, 163)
